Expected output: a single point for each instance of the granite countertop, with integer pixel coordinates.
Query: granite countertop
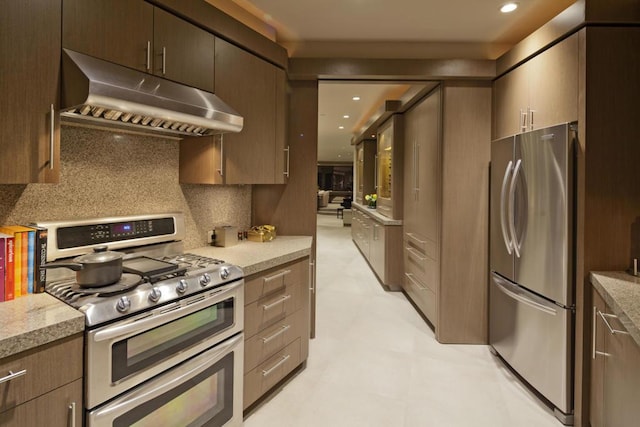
(374, 214)
(621, 292)
(33, 320)
(255, 257)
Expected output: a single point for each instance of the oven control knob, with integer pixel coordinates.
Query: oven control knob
(205, 279)
(123, 304)
(155, 294)
(224, 273)
(182, 286)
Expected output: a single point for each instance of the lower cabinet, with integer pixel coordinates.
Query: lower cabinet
(380, 244)
(615, 370)
(49, 391)
(276, 319)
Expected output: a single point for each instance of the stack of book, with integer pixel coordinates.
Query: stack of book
(22, 251)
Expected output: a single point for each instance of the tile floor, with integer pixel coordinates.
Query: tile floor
(375, 362)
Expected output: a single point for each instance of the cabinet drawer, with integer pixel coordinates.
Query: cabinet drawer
(267, 374)
(270, 340)
(421, 295)
(47, 367)
(272, 281)
(422, 244)
(271, 309)
(422, 268)
(51, 409)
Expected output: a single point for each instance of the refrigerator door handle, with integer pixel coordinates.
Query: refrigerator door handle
(503, 195)
(514, 291)
(512, 222)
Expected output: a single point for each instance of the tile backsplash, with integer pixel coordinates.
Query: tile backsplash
(106, 174)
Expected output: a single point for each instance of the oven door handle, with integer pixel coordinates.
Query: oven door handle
(171, 379)
(160, 319)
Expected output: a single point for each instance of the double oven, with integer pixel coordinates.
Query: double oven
(167, 351)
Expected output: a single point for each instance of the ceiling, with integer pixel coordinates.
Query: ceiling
(451, 29)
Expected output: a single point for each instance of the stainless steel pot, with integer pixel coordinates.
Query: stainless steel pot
(100, 268)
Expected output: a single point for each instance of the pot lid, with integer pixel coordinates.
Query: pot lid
(100, 255)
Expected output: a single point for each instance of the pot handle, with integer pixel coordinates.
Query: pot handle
(72, 265)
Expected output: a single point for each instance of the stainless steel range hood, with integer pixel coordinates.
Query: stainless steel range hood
(104, 94)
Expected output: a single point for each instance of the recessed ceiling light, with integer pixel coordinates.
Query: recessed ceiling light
(340, 127)
(508, 7)
(346, 116)
(356, 98)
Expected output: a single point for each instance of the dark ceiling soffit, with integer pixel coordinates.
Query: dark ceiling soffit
(391, 69)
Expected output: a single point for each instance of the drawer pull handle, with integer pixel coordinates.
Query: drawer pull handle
(276, 276)
(413, 237)
(414, 282)
(266, 372)
(604, 316)
(415, 253)
(12, 376)
(276, 334)
(273, 304)
(72, 414)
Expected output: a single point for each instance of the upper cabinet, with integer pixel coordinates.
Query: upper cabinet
(138, 35)
(389, 161)
(257, 155)
(539, 93)
(365, 168)
(30, 69)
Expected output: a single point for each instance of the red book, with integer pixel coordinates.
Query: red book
(9, 281)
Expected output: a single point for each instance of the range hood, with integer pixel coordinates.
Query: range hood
(102, 94)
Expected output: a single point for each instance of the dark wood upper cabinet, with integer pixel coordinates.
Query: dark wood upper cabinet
(118, 31)
(30, 69)
(138, 35)
(182, 51)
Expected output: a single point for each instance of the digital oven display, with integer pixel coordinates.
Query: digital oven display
(122, 228)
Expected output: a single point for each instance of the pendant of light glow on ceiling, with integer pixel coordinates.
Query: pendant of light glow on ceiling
(508, 7)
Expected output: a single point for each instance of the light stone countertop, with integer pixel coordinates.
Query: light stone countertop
(621, 292)
(255, 257)
(33, 320)
(374, 214)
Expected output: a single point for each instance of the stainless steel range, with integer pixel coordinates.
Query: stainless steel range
(163, 344)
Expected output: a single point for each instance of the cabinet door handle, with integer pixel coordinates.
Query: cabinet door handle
(375, 175)
(221, 170)
(273, 336)
(604, 316)
(312, 281)
(530, 117)
(72, 414)
(276, 276)
(594, 351)
(164, 60)
(148, 64)
(522, 123)
(266, 307)
(288, 151)
(52, 137)
(417, 178)
(12, 376)
(266, 372)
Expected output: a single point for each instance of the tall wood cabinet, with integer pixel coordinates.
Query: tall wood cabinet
(615, 370)
(30, 69)
(446, 173)
(539, 93)
(389, 159)
(257, 155)
(139, 35)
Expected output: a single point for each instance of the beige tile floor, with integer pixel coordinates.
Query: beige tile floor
(375, 362)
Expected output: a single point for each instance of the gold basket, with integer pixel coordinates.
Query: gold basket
(262, 233)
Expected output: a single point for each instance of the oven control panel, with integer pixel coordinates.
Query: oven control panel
(91, 234)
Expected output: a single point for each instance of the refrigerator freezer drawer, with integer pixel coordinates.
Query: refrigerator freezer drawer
(533, 336)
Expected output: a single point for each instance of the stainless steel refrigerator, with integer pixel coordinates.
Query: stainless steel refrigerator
(531, 260)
